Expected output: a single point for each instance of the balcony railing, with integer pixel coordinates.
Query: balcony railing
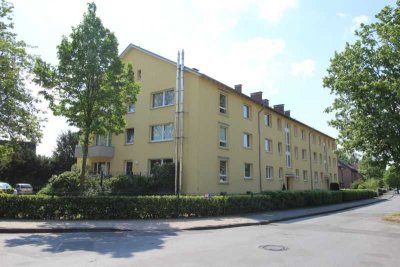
(96, 152)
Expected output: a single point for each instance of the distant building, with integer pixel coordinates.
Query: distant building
(347, 174)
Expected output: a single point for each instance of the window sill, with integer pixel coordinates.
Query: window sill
(224, 182)
(248, 148)
(160, 141)
(248, 178)
(269, 179)
(133, 112)
(224, 148)
(162, 106)
(129, 144)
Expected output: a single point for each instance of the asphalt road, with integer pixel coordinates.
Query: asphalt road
(356, 237)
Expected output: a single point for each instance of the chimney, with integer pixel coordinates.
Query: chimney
(238, 88)
(287, 113)
(280, 108)
(266, 102)
(257, 96)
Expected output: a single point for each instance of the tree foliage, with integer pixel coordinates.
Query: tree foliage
(91, 87)
(365, 78)
(392, 177)
(371, 168)
(18, 115)
(64, 154)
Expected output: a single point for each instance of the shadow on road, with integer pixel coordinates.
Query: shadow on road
(116, 244)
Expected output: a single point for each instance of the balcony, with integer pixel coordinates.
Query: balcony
(96, 152)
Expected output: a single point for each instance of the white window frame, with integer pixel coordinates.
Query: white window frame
(250, 170)
(223, 177)
(280, 173)
(133, 136)
(163, 104)
(268, 145)
(223, 109)
(269, 172)
(246, 140)
(305, 176)
(131, 108)
(267, 119)
(223, 143)
(297, 174)
(163, 138)
(246, 111)
(315, 177)
(106, 137)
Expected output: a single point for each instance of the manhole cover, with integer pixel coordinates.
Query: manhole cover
(274, 247)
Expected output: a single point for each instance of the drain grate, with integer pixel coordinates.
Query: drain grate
(274, 247)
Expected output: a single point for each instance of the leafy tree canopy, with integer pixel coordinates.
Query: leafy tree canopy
(392, 177)
(64, 154)
(18, 115)
(371, 168)
(90, 86)
(365, 78)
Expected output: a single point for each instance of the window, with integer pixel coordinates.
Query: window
(131, 108)
(334, 161)
(304, 154)
(222, 136)
(314, 139)
(128, 167)
(280, 148)
(329, 161)
(246, 112)
(305, 176)
(267, 119)
(247, 140)
(162, 99)
(139, 75)
(103, 140)
(315, 157)
(223, 170)
(163, 132)
(316, 177)
(222, 103)
(287, 146)
(280, 173)
(321, 176)
(130, 136)
(269, 172)
(295, 132)
(297, 173)
(247, 170)
(158, 162)
(335, 177)
(320, 158)
(303, 134)
(296, 152)
(279, 123)
(268, 145)
(319, 140)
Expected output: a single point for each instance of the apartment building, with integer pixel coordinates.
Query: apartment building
(231, 142)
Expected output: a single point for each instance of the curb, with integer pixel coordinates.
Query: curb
(287, 218)
(197, 228)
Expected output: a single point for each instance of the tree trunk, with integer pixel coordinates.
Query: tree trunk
(85, 148)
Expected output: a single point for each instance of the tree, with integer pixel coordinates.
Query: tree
(365, 78)
(18, 114)
(349, 157)
(392, 177)
(370, 168)
(64, 153)
(91, 87)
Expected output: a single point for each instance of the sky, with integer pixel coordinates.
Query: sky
(281, 48)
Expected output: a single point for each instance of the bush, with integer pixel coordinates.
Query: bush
(64, 184)
(143, 207)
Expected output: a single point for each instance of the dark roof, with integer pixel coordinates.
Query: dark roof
(196, 72)
(344, 164)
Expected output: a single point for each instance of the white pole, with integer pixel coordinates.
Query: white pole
(176, 125)
(181, 123)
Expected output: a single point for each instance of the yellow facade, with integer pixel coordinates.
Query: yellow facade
(202, 150)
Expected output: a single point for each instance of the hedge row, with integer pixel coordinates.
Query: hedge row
(143, 207)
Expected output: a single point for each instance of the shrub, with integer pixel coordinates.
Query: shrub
(66, 183)
(140, 207)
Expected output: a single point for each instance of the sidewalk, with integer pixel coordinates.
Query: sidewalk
(60, 226)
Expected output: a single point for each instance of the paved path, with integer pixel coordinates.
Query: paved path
(19, 226)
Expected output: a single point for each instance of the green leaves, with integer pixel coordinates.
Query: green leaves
(19, 120)
(365, 78)
(90, 86)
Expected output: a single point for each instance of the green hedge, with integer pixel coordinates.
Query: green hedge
(143, 207)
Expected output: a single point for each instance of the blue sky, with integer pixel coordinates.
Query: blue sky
(279, 47)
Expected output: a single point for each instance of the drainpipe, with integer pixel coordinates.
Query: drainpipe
(259, 147)
(181, 122)
(176, 122)
(309, 148)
